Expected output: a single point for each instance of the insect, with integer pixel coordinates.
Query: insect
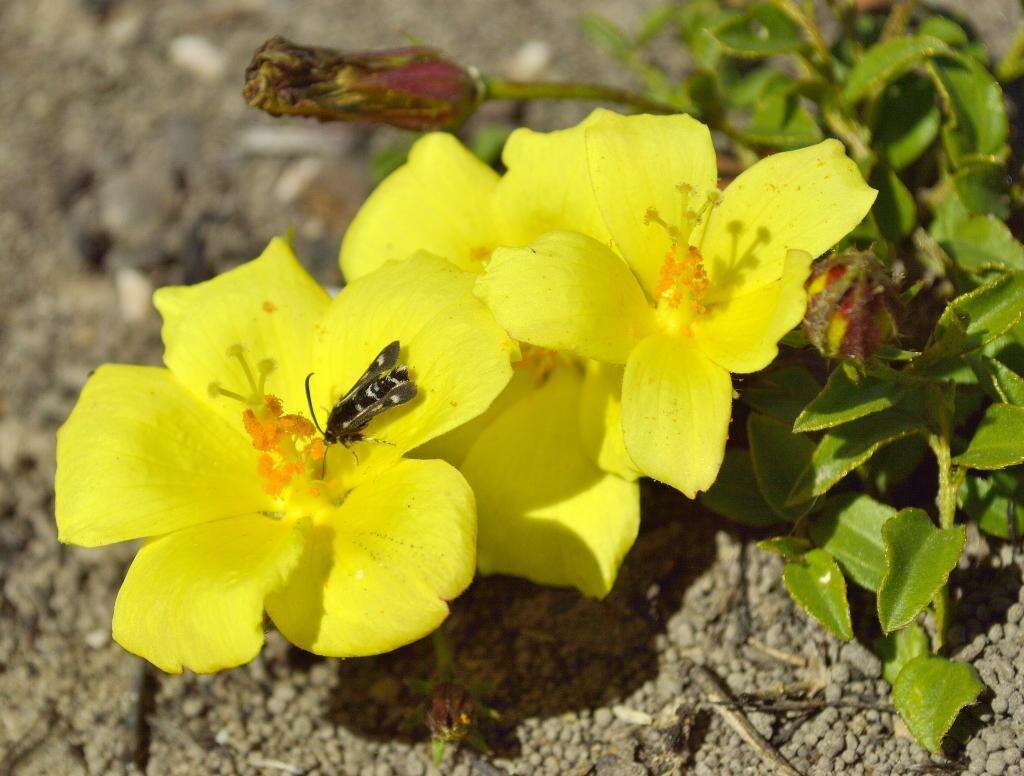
(385, 384)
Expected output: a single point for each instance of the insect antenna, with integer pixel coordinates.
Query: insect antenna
(312, 412)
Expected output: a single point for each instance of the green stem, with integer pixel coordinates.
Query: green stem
(946, 501)
(499, 89)
(806, 21)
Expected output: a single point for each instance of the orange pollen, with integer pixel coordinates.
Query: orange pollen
(540, 361)
(683, 278)
(284, 441)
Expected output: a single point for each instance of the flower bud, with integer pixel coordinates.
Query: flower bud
(851, 306)
(450, 711)
(412, 88)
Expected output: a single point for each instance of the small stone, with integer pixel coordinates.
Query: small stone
(97, 639)
(199, 56)
(530, 61)
(996, 763)
(192, 707)
(602, 718)
(134, 294)
(632, 716)
(832, 743)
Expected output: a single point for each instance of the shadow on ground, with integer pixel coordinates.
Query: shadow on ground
(543, 652)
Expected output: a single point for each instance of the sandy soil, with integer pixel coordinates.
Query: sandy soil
(129, 160)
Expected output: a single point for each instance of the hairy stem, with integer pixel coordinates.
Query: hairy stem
(945, 499)
(499, 89)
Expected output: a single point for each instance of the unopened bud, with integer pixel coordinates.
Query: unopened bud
(450, 711)
(413, 88)
(851, 306)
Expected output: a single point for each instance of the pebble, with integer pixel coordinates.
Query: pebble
(134, 294)
(198, 56)
(632, 716)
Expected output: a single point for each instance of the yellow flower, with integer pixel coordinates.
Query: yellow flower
(213, 463)
(538, 460)
(689, 285)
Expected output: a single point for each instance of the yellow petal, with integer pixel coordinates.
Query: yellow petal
(547, 185)
(804, 200)
(600, 420)
(742, 333)
(458, 356)
(194, 598)
(438, 201)
(566, 291)
(546, 512)
(140, 456)
(267, 306)
(675, 412)
(638, 163)
(380, 572)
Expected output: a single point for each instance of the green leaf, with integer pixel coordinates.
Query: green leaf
(978, 123)
(944, 29)
(984, 189)
(846, 447)
(780, 121)
(607, 35)
(736, 495)
(886, 61)
(1002, 383)
(780, 458)
(894, 463)
(999, 440)
(919, 558)
(781, 393)
(850, 528)
(656, 21)
(899, 648)
(929, 694)
(762, 81)
(895, 210)
(760, 31)
(789, 547)
(982, 242)
(906, 120)
(847, 396)
(488, 142)
(991, 501)
(986, 312)
(817, 585)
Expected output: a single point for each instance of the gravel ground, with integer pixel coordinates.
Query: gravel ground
(131, 161)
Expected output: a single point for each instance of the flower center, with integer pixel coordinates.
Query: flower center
(683, 281)
(291, 461)
(540, 362)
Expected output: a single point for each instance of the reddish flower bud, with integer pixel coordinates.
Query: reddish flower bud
(413, 88)
(851, 306)
(450, 711)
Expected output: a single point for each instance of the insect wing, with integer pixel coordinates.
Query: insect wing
(387, 391)
(386, 359)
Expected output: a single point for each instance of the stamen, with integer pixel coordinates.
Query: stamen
(651, 217)
(285, 443)
(236, 351)
(215, 390)
(265, 367)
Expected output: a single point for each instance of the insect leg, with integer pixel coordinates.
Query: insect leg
(312, 412)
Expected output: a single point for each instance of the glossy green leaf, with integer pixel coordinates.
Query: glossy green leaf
(945, 29)
(894, 463)
(894, 209)
(993, 502)
(781, 122)
(999, 440)
(736, 494)
(850, 528)
(978, 124)
(929, 694)
(886, 61)
(982, 242)
(984, 189)
(1000, 382)
(780, 459)
(846, 447)
(789, 547)
(781, 393)
(918, 559)
(906, 120)
(986, 312)
(817, 585)
(845, 397)
(762, 30)
(899, 648)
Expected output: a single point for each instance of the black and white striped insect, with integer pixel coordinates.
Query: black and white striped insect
(385, 384)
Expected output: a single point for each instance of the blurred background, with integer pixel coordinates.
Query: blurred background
(129, 160)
